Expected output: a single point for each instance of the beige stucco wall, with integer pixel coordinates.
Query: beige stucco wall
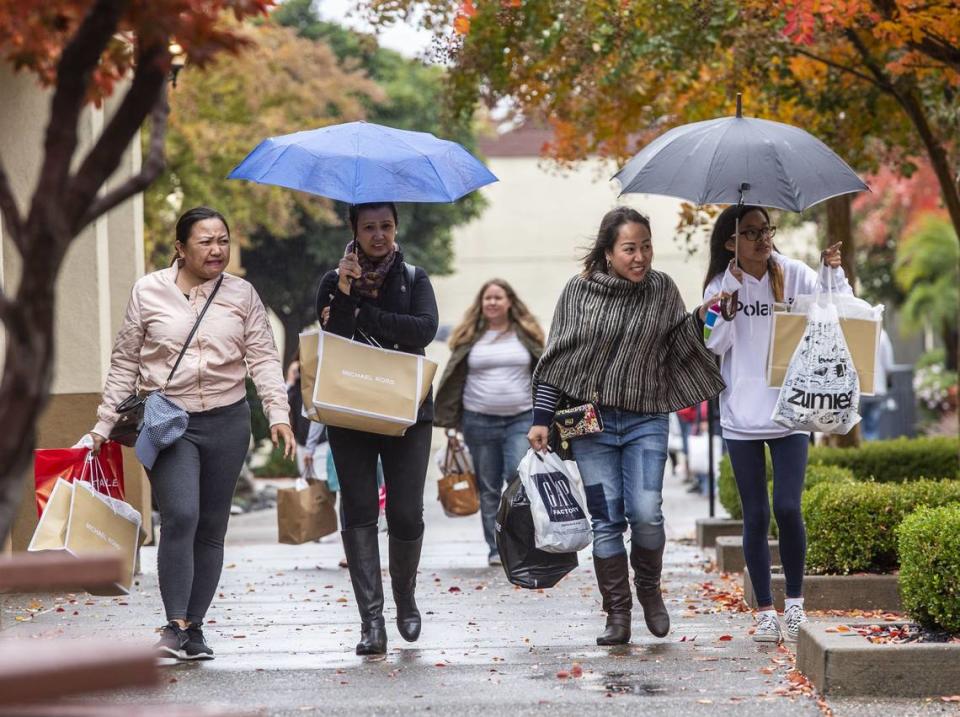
(92, 289)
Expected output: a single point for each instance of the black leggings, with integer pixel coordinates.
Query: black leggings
(404, 472)
(193, 481)
(789, 455)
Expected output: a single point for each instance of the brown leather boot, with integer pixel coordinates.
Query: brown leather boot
(613, 579)
(647, 566)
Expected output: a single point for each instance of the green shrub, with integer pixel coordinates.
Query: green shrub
(929, 545)
(277, 465)
(902, 459)
(851, 526)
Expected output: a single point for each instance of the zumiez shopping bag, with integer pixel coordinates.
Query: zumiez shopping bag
(821, 390)
(101, 524)
(557, 502)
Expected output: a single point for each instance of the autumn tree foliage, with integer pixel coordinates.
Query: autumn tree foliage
(876, 80)
(83, 50)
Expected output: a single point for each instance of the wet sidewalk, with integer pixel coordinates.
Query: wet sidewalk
(284, 627)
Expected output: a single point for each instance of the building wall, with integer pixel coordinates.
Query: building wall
(92, 289)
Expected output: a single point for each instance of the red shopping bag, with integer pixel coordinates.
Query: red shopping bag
(49, 464)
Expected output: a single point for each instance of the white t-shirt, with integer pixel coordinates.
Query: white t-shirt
(747, 403)
(498, 376)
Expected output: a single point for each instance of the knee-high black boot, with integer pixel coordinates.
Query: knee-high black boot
(613, 579)
(363, 556)
(404, 559)
(647, 566)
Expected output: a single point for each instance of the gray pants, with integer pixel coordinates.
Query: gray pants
(193, 481)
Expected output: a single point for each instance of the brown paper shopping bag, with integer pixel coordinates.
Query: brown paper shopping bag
(862, 336)
(308, 371)
(305, 512)
(368, 388)
(101, 524)
(51, 531)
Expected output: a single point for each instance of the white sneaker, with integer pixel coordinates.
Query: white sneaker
(794, 616)
(767, 628)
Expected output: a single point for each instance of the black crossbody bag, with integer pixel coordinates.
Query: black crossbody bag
(130, 409)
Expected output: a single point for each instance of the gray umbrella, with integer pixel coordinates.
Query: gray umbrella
(740, 159)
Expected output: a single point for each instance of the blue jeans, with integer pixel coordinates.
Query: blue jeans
(622, 470)
(497, 445)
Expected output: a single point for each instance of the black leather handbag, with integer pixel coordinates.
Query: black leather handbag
(130, 409)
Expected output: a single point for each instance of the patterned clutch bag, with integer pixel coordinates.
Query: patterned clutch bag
(578, 421)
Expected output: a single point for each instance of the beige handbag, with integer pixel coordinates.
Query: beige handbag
(363, 387)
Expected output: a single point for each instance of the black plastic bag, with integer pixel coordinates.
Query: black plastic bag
(524, 564)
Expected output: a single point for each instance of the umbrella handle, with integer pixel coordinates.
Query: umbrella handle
(728, 306)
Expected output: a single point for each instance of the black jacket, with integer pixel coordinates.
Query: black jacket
(403, 318)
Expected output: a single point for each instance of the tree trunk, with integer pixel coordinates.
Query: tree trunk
(951, 337)
(25, 386)
(839, 229)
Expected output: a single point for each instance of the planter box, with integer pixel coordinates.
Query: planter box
(709, 529)
(836, 592)
(848, 664)
(730, 553)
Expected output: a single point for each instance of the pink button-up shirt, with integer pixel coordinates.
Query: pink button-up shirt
(233, 339)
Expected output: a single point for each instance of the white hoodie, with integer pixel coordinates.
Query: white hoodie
(747, 403)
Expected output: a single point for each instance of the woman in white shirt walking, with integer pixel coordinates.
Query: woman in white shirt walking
(762, 278)
(485, 390)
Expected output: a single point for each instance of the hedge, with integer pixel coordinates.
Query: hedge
(929, 545)
(730, 498)
(851, 526)
(898, 460)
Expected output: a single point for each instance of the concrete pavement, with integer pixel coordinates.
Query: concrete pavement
(284, 626)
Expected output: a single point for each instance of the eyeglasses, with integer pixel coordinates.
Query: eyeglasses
(756, 234)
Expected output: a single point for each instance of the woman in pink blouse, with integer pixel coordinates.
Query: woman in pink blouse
(193, 479)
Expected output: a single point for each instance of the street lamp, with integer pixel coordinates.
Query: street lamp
(178, 60)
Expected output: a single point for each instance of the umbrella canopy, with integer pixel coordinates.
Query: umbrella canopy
(707, 163)
(359, 162)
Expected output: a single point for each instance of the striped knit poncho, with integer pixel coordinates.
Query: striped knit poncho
(632, 345)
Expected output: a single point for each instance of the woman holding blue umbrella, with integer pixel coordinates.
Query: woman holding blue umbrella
(376, 298)
(757, 279)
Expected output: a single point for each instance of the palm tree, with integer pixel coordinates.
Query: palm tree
(928, 271)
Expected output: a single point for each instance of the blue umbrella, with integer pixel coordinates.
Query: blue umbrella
(358, 162)
(740, 159)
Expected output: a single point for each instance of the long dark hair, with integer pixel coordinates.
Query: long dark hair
(596, 258)
(192, 216)
(353, 213)
(723, 230)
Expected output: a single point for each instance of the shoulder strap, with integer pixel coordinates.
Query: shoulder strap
(411, 271)
(193, 331)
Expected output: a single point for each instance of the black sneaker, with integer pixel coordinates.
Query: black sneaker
(196, 647)
(172, 641)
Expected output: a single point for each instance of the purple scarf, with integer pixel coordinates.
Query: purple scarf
(372, 273)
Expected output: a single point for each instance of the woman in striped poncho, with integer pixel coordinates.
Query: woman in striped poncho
(622, 339)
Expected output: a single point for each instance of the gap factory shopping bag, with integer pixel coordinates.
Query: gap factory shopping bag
(523, 563)
(557, 502)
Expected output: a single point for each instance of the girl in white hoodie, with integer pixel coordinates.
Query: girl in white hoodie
(762, 278)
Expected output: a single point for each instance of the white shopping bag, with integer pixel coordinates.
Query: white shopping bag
(698, 456)
(821, 389)
(557, 502)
